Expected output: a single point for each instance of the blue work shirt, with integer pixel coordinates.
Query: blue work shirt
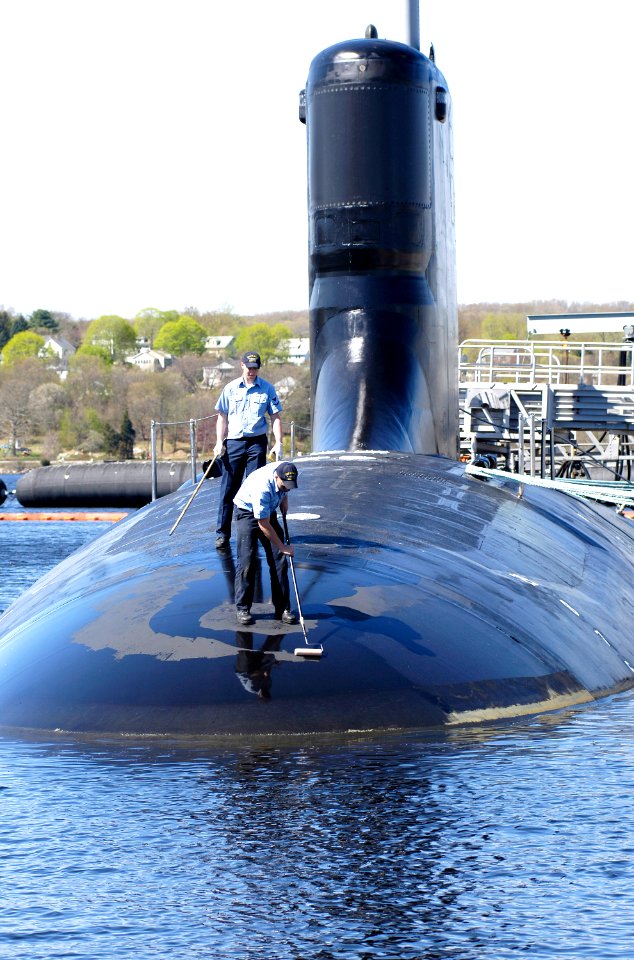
(245, 407)
(259, 494)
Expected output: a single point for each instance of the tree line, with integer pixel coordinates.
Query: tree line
(104, 406)
(507, 321)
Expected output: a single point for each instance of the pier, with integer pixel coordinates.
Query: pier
(549, 408)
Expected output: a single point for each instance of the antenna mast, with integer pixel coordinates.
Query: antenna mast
(414, 24)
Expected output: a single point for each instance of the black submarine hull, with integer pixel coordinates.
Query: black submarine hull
(438, 598)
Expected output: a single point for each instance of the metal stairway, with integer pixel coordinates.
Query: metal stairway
(549, 408)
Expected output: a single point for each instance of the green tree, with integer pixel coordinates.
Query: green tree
(68, 435)
(268, 341)
(22, 345)
(184, 335)
(127, 433)
(43, 319)
(119, 444)
(110, 440)
(94, 350)
(89, 385)
(503, 326)
(19, 325)
(113, 333)
(6, 321)
(148, 322)
(221, 322)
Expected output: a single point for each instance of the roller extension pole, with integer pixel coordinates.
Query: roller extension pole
(313, 652)
(200, 483)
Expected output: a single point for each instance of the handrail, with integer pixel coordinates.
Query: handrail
(193, 425)
(594, 363)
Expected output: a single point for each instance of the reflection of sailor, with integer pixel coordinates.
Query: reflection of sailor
(256, 520)
(253, 667)
(228, 567)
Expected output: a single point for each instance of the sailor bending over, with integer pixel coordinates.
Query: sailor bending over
(255, 507)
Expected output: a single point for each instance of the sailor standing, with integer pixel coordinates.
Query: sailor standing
(241, 431)
(256, 504)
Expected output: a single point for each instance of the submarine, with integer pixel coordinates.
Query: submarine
(438, 598)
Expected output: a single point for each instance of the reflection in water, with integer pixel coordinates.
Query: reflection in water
(228, 567)
(489, 843)
(254, 667)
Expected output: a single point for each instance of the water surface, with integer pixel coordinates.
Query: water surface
(482, 844)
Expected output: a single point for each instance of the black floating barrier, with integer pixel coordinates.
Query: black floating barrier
(125, 483)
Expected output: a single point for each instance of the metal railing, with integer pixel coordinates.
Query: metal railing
(156, 425)
(556, 362)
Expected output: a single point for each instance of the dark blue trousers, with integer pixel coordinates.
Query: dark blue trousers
(248, 536)
(241, 458)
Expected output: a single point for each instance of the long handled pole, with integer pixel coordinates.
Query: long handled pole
(199, 485)
(299, 607)
(307, 651)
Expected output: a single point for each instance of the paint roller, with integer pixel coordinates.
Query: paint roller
(307, 652)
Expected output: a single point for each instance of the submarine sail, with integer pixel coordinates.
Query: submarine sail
(381, 250)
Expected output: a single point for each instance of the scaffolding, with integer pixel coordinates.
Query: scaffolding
(549, 408)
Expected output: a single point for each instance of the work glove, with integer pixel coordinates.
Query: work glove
(276, 451)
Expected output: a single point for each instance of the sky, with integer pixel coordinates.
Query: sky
(152, 154)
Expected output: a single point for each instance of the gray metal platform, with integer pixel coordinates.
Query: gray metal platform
(549, 409)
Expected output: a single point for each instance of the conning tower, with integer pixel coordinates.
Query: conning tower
(381, 250)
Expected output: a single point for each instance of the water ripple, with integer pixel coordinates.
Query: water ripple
(484, 844)
(490, 843)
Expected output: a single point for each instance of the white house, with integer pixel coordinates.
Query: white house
(59, 348)
(298, 349)
(150, 360)
(285, 386)
(218, 345)
(213, 376)
(59, 351)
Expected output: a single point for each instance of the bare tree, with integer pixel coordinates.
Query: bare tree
(190, 368)
(156, 397)
(16, 384)
(46, 405)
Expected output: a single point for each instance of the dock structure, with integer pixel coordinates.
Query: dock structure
(549, 408)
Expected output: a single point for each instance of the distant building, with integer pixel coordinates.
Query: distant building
(285, 386)
(214, 376)
(59, 351)
(59, 347)
(150, 360)
(218, 345)
(298, 350)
